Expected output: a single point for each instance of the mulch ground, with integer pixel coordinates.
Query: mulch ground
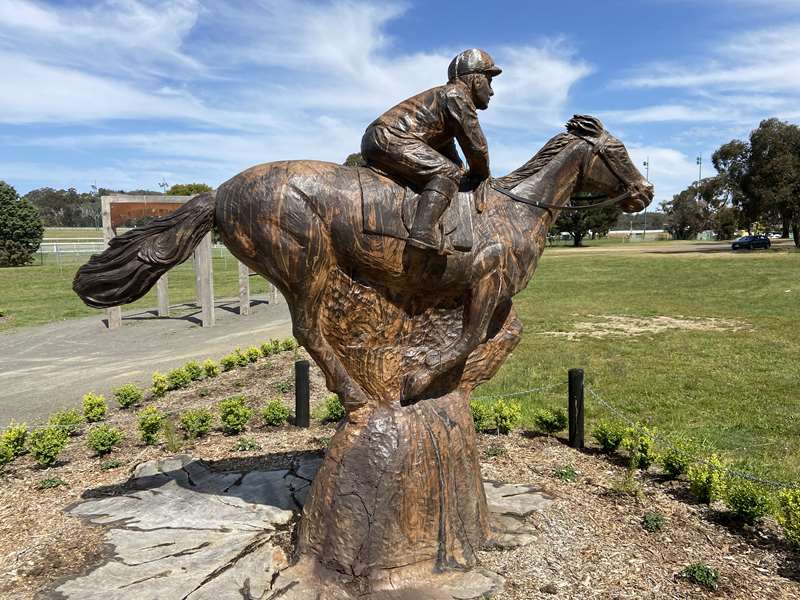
(591, 543)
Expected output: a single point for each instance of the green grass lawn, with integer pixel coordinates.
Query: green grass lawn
(41, 293)
(739, 390)
(73, 232)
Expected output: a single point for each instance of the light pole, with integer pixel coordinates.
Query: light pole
(646, 176)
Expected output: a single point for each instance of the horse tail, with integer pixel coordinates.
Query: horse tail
(134, 261)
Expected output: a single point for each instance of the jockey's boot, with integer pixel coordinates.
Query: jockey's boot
(433, 201)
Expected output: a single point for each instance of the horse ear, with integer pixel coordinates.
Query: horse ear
(585, 125)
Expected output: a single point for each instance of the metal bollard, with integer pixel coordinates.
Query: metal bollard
(302, 411)
(576, 408)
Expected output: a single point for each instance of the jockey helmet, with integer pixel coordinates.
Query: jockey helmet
(473, 60)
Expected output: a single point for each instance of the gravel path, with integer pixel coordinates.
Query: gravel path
(50, 367)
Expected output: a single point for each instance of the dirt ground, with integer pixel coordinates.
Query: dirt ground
(590, 540)
(50, 367)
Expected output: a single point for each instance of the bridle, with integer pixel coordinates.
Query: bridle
(598, 149)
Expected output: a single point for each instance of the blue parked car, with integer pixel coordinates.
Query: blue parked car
(751, 242)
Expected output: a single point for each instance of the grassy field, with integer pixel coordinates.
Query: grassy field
(43, 292)
(737, 389)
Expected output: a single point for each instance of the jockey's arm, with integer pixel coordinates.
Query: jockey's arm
(470, 135)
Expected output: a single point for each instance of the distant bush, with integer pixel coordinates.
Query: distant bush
(334, 410)
(150, 420)
(252, 354)
(103, 438)
(275, 413)
(550, 421)
(234, 414)
(609, 435)
(14, 438)
(270, 347)
(748, 500)
(788, 515)
(707, 479)
(160, 384)
(507, 415)
(194, 370)
(196, 422)
(6, 455)
(178, 378)
(128, 395)
(702, 574)
(70, 420)
(681, 453)
(211, 368)
(639, 444)
(46, 444)
(288, 343)
(94, 407)
(482, 415)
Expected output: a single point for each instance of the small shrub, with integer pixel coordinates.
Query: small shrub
(229, 362)
(70, 420)
(128, 395)
(211, 368)
(46, 444)
(550, 421)
(196, 422)
(14, 438)
(482, 415)
(246, 445)
(241, 358)
(150, 420)
(234, 414)
(609, 435)
(702, 574)
(270, 347)
(334, 410)
(707, 479)
(6, 455)
(194, 370)
(103, 438)
(112, 463)
(639, 444)
(493, 451)
(566, 473)
(94, 407)
(653, 522)
(288, 343)
(681, 453)
(252, 354)
(178, 378)
(172, 441)
(788, 515)
(324, 440)
(50, 483)
(748, 500)
(203, 392)
(160, 384)
(507, 415)
(275, 413)
(284, 387)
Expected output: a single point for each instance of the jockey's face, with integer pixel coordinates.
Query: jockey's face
(482, 91)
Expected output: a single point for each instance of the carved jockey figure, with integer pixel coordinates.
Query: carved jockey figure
(415, 140)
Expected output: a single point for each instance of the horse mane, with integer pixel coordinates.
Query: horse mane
(577, 126)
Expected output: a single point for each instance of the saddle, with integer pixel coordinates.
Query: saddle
(389, 209)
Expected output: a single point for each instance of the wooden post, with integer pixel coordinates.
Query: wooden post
(576, 408)
(162, 290)
(114, 314)
(244, 289)
(301, 394)
(204, 274)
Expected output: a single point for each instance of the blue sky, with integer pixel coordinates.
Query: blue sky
(129, 93)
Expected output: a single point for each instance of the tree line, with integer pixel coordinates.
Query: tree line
(757, 188)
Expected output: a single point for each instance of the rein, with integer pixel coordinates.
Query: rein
(548, 207)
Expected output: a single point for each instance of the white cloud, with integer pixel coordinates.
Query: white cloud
(670, 170)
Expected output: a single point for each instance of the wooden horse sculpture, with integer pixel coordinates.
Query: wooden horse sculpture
(402, 335)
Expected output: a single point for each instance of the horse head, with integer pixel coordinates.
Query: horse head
(608, 169)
